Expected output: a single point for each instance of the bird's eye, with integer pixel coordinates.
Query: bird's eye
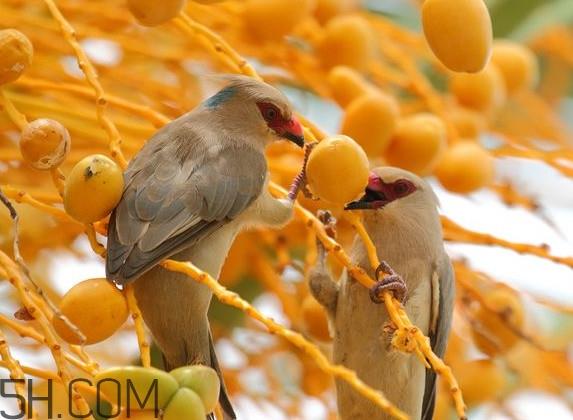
(401, 188)
(270, 114)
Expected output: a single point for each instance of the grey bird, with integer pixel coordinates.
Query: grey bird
(189, 191)
(400, 215)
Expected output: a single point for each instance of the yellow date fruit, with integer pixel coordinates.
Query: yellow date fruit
(96, 307)
(465, 167)
(203, 380)
(517, 65)
(501, 315)
(273, 19)
(93, 188)
(346, 84)
(16, 54)
(482, 380)
(137, 382)
(44, 143)
(337, 170)
(371, 120)
(185, 405)
(418, 143)
(481, 91)
(347, 41)
(152, 13)
(468, 122)
(459, 33)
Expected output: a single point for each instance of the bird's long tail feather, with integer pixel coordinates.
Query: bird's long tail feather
(228, 412)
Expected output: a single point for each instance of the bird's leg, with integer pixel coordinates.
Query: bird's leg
(322, 287)
(391, 282)
(300, 180)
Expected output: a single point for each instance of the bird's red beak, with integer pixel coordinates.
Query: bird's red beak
(292, 130)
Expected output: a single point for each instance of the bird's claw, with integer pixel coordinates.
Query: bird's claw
(300, 180)
(329, 222)
(308, 194)
(391, 282)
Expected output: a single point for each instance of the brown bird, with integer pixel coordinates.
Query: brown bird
(191, 189)
(400, 215)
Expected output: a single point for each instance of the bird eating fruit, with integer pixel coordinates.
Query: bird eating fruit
(400, 215)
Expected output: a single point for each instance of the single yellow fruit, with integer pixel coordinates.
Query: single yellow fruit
(347, 41)
(16, 54)
(459, 33)
(185, 405)
(465, 167)
(517, 64)
(315, 319)
(468, 122)
(136, 382)
(93, 188)
(346, 84)
(495, 333)
(481, 380)
(96, 307)
(371, 120)
(273, 19)
(202, 380)
(418, 143)
(152, 13)
(44, 143)
(337, 170)
(481, 91)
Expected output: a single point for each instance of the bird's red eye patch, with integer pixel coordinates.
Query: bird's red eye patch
(270, 113)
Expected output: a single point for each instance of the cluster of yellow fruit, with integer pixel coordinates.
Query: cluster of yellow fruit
(44, 143)
(417, 142)
(94, 186)
(185, 393)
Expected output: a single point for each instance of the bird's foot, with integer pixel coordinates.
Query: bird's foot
(391, 282)
(389, 328)
(300, 180)
(329, 222)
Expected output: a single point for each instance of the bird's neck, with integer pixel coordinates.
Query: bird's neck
(400, 236)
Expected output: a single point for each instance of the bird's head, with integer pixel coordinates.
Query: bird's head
(390, 187)
(254, 105)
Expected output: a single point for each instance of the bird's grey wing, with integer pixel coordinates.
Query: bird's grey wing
(441, 319)
(170, 203)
